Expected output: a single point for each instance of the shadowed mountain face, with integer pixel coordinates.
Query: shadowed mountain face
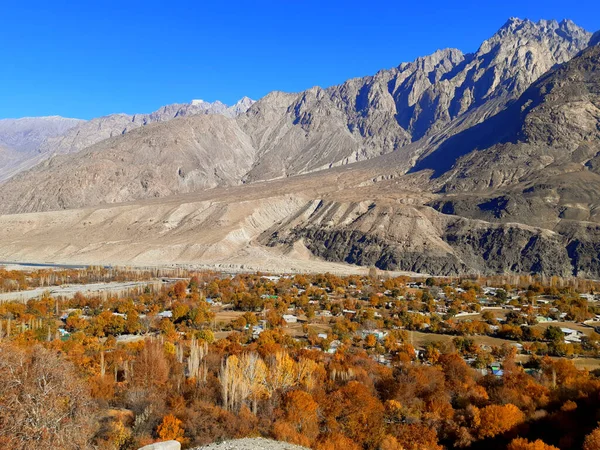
(553, 126)
(487, 163)
(545, 161)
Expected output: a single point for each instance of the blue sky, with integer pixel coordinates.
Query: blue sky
(90, 58)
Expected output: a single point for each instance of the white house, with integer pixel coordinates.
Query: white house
(290, 318)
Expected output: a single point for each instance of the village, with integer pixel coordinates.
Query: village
(206, 356)
(429, 317)
(385, 316)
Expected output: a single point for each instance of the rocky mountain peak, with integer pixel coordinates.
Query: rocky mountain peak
(515, 25)
(512, 24)
(525, 32)
(241, 106)
(245, 101)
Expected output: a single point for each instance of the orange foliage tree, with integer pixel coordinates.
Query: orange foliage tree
(524, 444)
(300, 424)
(497, 419)
(171, 429)
(592, 440)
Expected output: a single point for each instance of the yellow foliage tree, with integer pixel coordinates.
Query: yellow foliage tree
(171, 429)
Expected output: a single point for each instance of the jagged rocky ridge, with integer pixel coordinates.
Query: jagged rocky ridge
(519, 193)
(370, 116)
(99, 129)
(293, 134)
(508, 182)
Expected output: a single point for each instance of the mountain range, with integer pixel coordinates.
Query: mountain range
(30, 140)
(454, 163)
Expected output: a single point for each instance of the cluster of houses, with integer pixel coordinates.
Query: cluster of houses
(489, 299)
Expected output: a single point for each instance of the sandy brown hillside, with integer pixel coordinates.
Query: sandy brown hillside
(340, 216)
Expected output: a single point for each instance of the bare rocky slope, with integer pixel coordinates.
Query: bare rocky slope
(303, 223)
(431, 98)
(27, 134)
(183, 155)
(21, 138)
(29, 141)
(509, 185)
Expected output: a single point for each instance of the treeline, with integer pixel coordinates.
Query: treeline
(21, 280)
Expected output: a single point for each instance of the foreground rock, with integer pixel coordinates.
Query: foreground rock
(166, 445)
(252, 444)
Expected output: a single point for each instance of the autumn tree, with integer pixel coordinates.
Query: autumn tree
(524, 444)
(336, 441)
(300, 424)
(43, 404)
(151, 369)
(416, 436)
(243, 378)
(356, 412)
(170, 429)
(592, 440)
(497, 419)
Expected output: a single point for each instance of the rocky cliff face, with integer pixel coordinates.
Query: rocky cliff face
(367, 117)
(417, 239)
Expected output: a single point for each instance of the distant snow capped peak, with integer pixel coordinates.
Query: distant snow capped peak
(217, 107)
(241, 106)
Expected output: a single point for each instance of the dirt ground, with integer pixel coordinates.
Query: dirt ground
(420, 339)
(227, 315)
(574, 326)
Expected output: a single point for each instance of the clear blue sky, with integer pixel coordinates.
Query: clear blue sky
(84, 58)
